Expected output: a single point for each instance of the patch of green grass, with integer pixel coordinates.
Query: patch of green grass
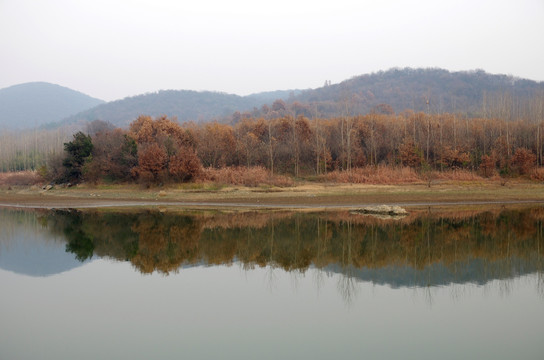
(199, 187)
(311, 178)
(265, 188)
(214, 187)
(108, 186)
(189, 186)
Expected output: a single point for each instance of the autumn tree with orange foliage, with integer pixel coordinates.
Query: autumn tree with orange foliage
(164, 149)
(453, 158)
(185, 165)
(250, 142)
(152, 162)
(487, 166)
(216, 145)
(410, 155)
(523, 161)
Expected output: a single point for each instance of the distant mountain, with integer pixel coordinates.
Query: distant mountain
(38, 103)
(185, 105)
(410, 88)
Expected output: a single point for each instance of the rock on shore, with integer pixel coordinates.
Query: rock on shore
(393, 211)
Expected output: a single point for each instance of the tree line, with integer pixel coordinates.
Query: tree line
(161, 150)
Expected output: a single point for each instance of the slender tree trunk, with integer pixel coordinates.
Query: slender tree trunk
(428, 136)
(507, 139)
(454, 131)
(348, 140)
(428, 129)
(540, 122)
(342, 142)
(317, 147)
(441, 145)
(484, 136)
(270, 149)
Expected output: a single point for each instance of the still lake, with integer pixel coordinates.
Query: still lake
(271, 285)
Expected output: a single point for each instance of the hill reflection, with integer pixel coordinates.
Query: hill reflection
(25, 248)
(421, 250)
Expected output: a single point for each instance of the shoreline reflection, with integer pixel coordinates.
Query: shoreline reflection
(422, 250)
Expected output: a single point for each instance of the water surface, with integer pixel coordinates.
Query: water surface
(273, 285)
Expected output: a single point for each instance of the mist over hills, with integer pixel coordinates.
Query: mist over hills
(34, 104)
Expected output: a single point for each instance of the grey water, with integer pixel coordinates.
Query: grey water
(271, 285)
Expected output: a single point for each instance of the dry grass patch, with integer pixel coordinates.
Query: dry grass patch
(538, 174)
(20, 178)
(374, 175)
(253, 176)
(385, 175)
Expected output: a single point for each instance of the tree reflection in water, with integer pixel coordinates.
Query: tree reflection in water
(423, 250)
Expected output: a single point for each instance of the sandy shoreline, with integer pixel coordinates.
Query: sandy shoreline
(305, 196)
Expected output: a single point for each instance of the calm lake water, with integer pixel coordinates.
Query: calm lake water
(161, 285)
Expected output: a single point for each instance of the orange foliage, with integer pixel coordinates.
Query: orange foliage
(216, 145)
(456, 175)
(487, 166)
(146, 130)
(185, 165)
(523, 161)
(164, 148)
(288, 143)
(410, 155)
(152, 162)
(538, 174)
(454, 158)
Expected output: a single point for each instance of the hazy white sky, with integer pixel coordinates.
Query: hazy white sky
(112, 49)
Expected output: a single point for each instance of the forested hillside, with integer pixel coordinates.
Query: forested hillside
(436, 91)
(34, 104)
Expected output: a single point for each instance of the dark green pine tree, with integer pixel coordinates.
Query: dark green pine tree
(78, 152)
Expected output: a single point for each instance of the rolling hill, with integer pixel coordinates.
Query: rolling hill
(34, 104)
(459, 92)
(185, 105)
